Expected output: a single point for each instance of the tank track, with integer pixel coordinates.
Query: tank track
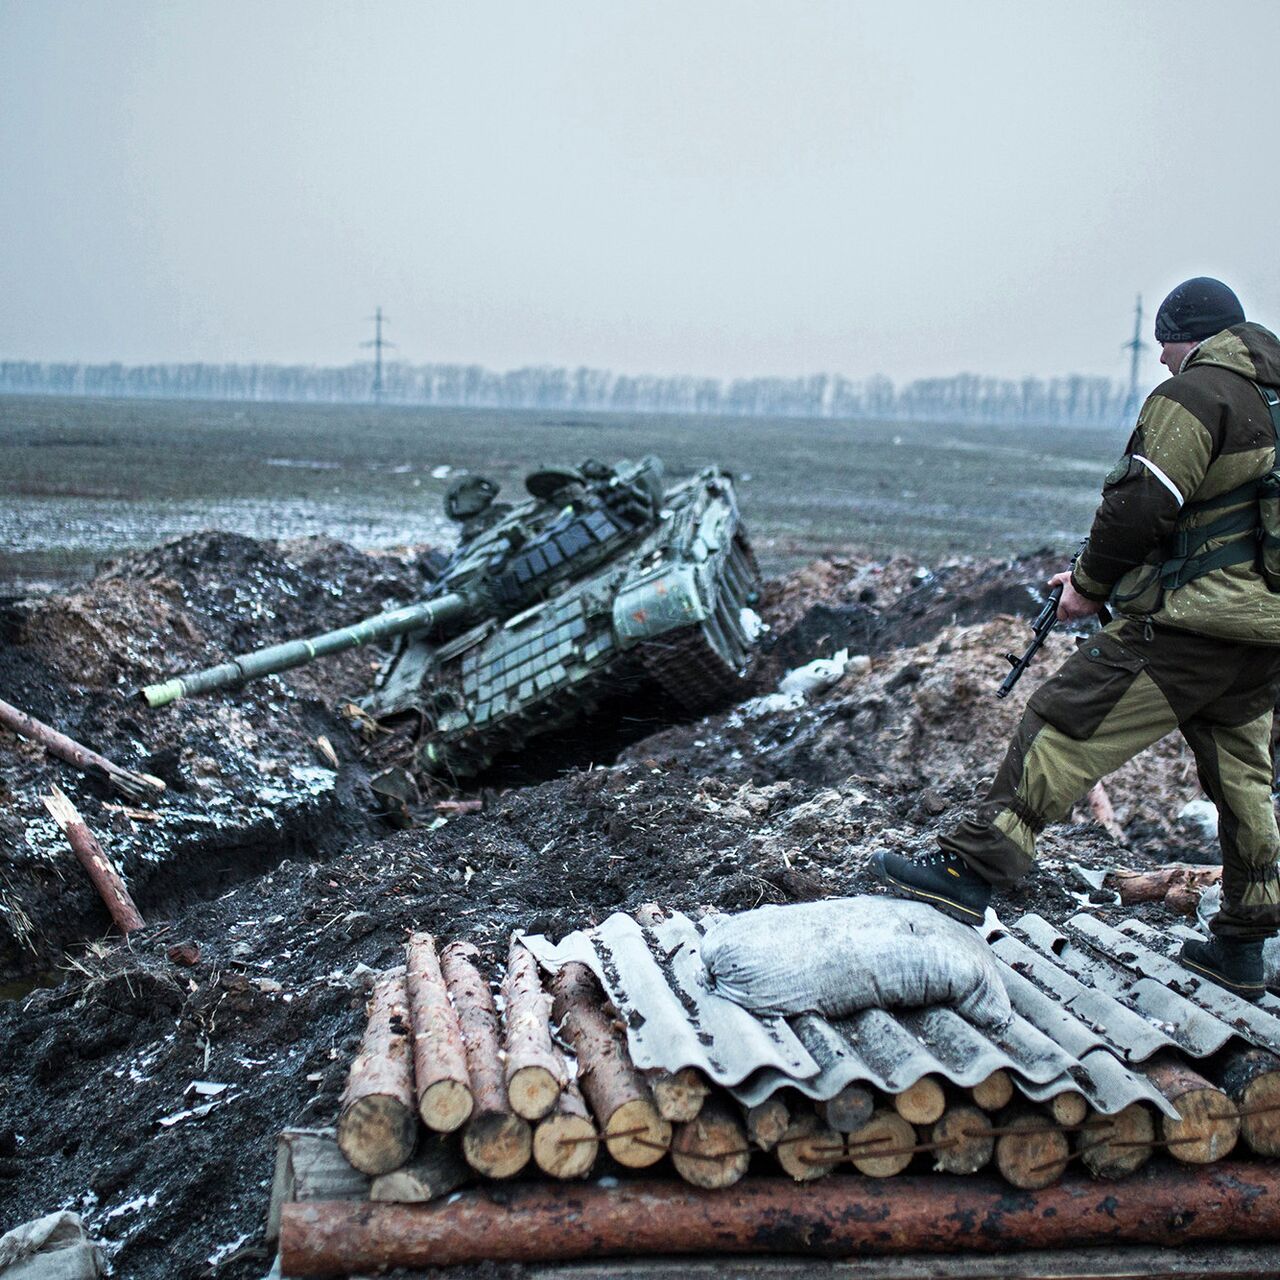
(711, 663)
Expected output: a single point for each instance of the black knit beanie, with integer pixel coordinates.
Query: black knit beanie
(1197, 309)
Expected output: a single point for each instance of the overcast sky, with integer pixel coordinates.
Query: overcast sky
(716, 186)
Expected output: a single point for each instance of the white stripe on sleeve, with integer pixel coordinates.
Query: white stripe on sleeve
(1160, 475)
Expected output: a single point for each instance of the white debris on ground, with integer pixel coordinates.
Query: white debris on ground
(800, 684)
(1201, 818)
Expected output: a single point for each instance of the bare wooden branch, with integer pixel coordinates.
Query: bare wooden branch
(377, 1122)
(1208, 1124)
(565, 1143)
(98, 867)
(635, 1134)
(496, 1141)
(457, 807)
(441, 1078)
(134, 786)
(535, 1072)
(1103, 813)
(1155, 886)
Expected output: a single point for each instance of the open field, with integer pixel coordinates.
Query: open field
(83, 480)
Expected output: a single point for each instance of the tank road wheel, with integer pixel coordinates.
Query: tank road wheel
(711, 663)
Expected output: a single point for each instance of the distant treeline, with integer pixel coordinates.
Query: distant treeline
(966, 397)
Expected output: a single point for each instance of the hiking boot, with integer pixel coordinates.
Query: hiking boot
(1236, 966)
(941, 879)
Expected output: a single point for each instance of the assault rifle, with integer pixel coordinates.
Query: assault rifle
(1045, 622)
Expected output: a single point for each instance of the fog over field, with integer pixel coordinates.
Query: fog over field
(87, 479)
(733, 189)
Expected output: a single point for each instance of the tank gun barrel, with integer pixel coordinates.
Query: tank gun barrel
(295, 653)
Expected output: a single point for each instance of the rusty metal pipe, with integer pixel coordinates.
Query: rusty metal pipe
(835, 1217)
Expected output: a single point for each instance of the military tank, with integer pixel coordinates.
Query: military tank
(603, 577)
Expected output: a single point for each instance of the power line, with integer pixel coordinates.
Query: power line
(377, 342)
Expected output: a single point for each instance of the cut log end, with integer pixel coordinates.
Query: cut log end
(376, 1133)
(535, 1071)
(678, 1095)
(809, 1149)
(767, 1121)
(883, 1147)
(1036, 1155)
(1116, 1146)
(532, 1091)
(1251, 1078)
(445, 1099)
(1208, 1123)
(644, 1136)
(398, 1187)
(850, 1109)
(435, 1171)
(565, 1146)
(446, 1105)
(995, 1092)
(711, 1151)
(1260, 1114)
(964, 1138)
(1207, 1128)
(497, 1144)
(921, 1103)
(1069, 1108)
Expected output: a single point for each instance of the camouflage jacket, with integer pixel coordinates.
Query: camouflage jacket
(1200, 435)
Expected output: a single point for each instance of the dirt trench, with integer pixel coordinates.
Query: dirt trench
(272, 887)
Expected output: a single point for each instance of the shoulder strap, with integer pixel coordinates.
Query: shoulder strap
(1186, 558)
(1272, 398)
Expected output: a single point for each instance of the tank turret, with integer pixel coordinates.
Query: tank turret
(601, 576)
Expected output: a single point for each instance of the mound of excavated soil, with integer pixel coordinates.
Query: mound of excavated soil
(269, 897)
(246, 782)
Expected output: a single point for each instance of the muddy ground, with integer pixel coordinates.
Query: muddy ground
(272, 884)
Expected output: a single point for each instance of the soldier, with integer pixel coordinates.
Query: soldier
(1175, 552)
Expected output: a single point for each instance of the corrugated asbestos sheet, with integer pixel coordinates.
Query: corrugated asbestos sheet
(1087, 1002)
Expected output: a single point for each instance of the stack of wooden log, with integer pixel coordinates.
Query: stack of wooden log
(451, 1085)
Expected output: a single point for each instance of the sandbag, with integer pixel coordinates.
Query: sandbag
(845, 954)
(55, 1247)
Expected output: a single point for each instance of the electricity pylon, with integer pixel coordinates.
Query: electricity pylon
(1135, 347)
(377, 342)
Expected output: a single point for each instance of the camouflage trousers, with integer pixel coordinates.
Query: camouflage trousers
(1123, 689)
